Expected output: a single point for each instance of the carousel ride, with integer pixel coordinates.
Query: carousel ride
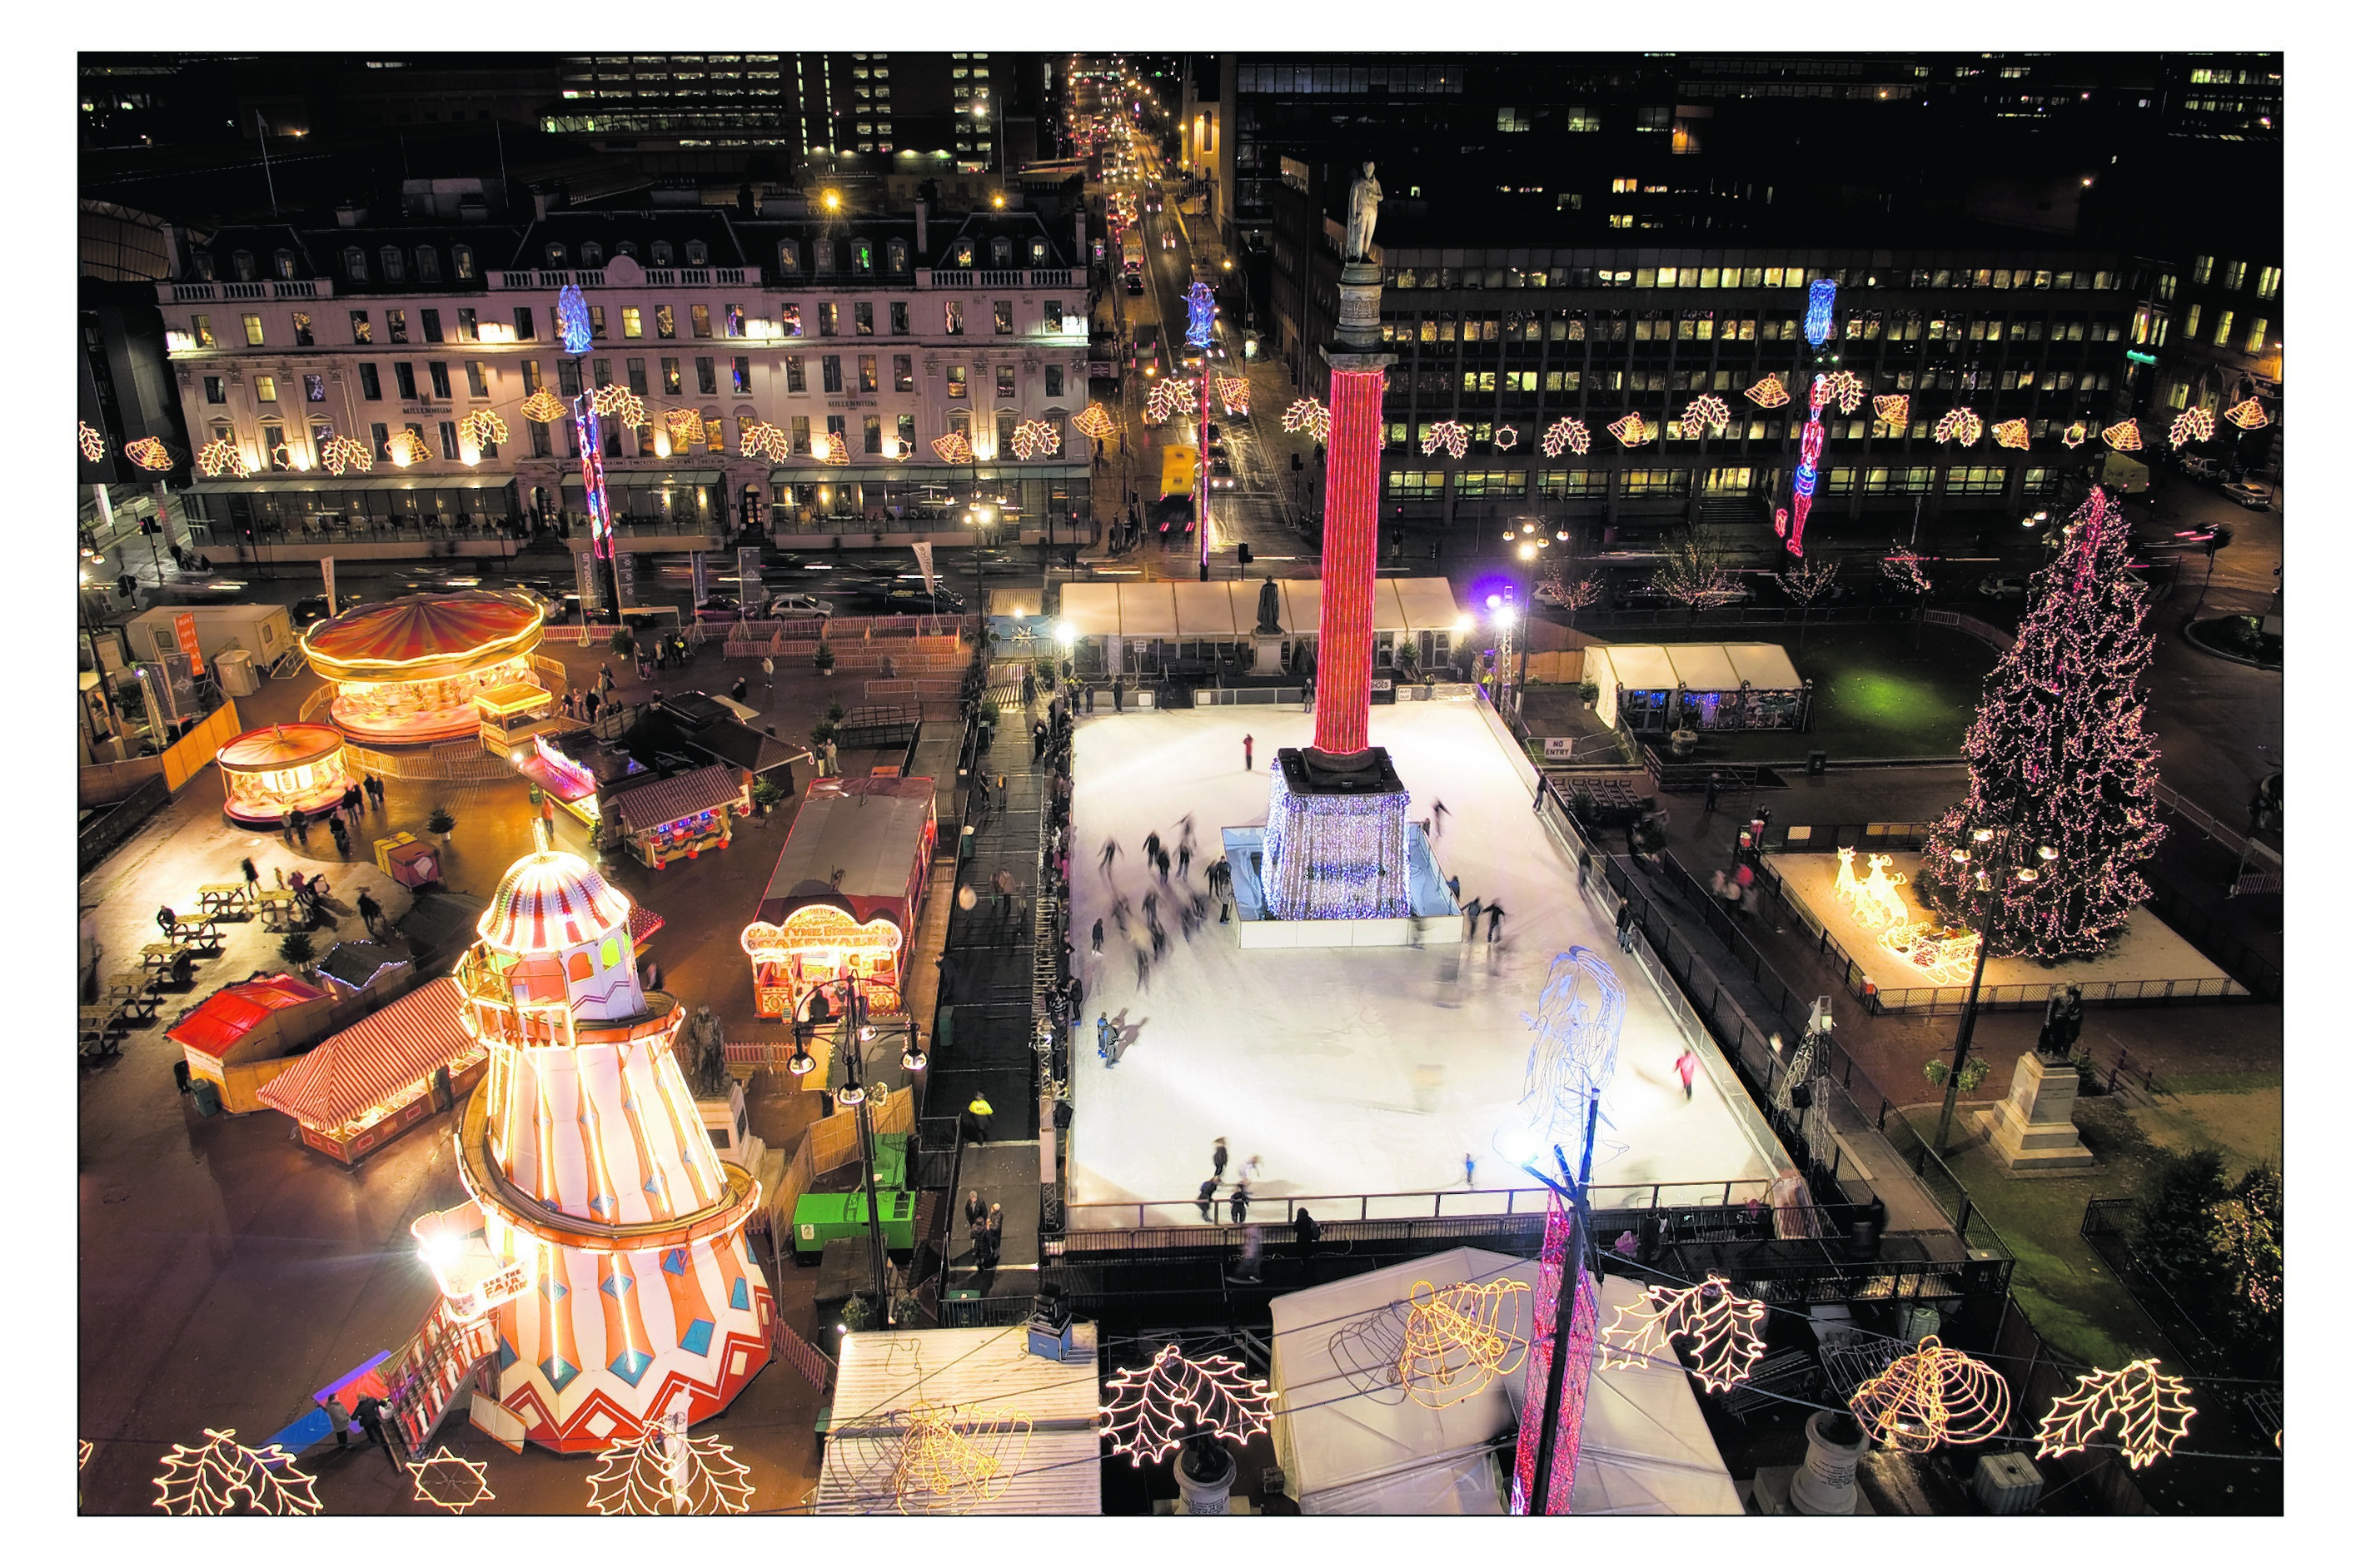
(410, 671)
(265, 773)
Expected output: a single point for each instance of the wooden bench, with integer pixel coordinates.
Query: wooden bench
(164, 958)
(96, 1032)
(222, 897)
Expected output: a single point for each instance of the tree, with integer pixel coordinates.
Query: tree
(1808, 580)
(2060, 749)
(1693, 575)
(2244, 1229)
(2172, 1219)
(1575, 592)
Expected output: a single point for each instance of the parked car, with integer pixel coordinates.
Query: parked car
(2199, 466)
(2254, 498)
(313, 608)
(798, 607)
(2005, 584)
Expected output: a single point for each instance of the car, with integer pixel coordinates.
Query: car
(2005, 584)
(313, 608)
(1170, 242)
(1221, 477)
(722, 606)
(2198, 466)
(2254, 498)
(1216, 349)
(798, 607)
(1132, 285)
(2208, 537)
(918, 601)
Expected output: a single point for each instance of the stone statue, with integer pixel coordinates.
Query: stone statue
(1267, 610)
(1361, 213)
(707, 1072)
(2061, 1025)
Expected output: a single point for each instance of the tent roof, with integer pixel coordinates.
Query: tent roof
(659, 801)
(1229, 609)
(1702, 666)
(1639, 666)
(1645, 1447)
(1209, 609)
(881, 1375)
(224, 1018)
(392, 1048)
(868, 828)
(1765, 665)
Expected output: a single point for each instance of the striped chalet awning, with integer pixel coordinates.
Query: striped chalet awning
(387, 1052)
(648, 806)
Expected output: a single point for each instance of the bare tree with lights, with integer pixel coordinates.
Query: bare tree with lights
(1693, 575)
(2061, 748)
(1807, 581)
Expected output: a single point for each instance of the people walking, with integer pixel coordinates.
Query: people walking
(1307, 1234)
(302, 830)
(371, 912)
(253, 879)
(343, 840)
(1541, 792)
(992, 1224)
(340, 1421)
(1686, 1064)
(1625, 924)
(1221, 1156)
(979, 1111)
(1712, 792)
(376, 790)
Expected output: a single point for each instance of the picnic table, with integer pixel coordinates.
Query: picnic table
(222, 897)
(167, 958)
(131, 993)
(96, 1031)
(276, 906)
(199, 934)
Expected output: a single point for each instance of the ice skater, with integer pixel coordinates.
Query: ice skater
(1139, 969)
(1106, 1040)
(1151, 844)
(1221, 1156)
(1249, 753)
(1468, 1169)
(1435, 814)
(1471, 908)
(1239, 1205)
(1205, 1191)
(1098, 937)
(1121, 910)
(1493, 916)
(1686, 1064)
(1185, 858)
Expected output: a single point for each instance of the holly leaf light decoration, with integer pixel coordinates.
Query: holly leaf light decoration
(2124, 435)
(219, 458)
(543, 407)
(1962, 425)
(224, 1476)
(342, 452)
(1893, 409)
(1035, 438)
(953, 448)
(1153, 1410)
(1449, 435)
(1841, 387)
(1704, 414)
(1631, 430)
(149, 454)
(2014, 433)
(1306, 414)
(2150, 1411)
(1568, 434)
(2193, 423)
(483, 427)
(1769, 393)
(646, 1474)
(2247, 415)
(93, 443)
(1930, 1397)
(759, 437)
(1170, 398)
(1714, 1323)
(1234, 392)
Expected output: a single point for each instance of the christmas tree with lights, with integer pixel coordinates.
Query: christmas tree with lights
(2061, 751)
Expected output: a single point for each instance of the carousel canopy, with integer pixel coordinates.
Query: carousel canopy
(551, 900)
(381, 1055)
(281, 746)
(426, 637)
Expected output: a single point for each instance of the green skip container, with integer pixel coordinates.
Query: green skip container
(824, 1217)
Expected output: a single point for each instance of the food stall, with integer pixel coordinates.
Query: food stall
(408, 672)
(844, 901)
(365, 1086)
(265, 772)
(509, 714)
(244, 1036)
(353, 968)
(663, 819)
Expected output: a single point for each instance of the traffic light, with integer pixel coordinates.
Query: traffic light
(1246, 554)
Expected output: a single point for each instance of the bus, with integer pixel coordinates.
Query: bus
(1135, 253)
(1146, 349)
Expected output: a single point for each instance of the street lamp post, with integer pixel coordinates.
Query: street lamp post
(1989, 852)
(853, 1035)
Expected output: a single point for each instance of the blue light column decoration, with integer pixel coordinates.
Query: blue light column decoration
(574, 330)
(1819, 315)
(573, 321)
(1335, 845)
(1200, 315)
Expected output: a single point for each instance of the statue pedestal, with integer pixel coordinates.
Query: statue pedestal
(2033, 1129)
(1270, 658)
(724, 1115)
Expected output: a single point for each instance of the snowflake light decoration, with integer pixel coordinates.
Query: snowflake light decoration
(1153, 1410)
(2149, 1409)
(686, 428)
(447, 1481)
(1930, 1397)
(2123, 436)
(1035, 438)
(2014, 433)
(1458, 1339)
(220, 457)
(953, 448)
(342, 452)
(405, 448)
(93, 443)
(2193, 423)
(1306, 413)
(1893, 409)
(1841, 387)
(620, 402)
(831, 448)
(211, 1479)
(1568, 434)
(1448, 434)
(1704, 414)
(1504, 437)
(543, 407)
(1234, 392)
(2075, 435)
(1095, 422)
(1769, 393)
(1962, 425)
(953, 1459)
(1718, 1323)
(483, 427)
(664, 1472)
(1168, 400)
(1631, 430)
(761, 437)
(149, 454)
(2248, 415)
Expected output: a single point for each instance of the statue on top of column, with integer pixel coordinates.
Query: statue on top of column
(1361, 213)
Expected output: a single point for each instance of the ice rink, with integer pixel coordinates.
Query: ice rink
(1348, 1071)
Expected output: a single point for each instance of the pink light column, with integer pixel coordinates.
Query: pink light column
(1348, 563)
